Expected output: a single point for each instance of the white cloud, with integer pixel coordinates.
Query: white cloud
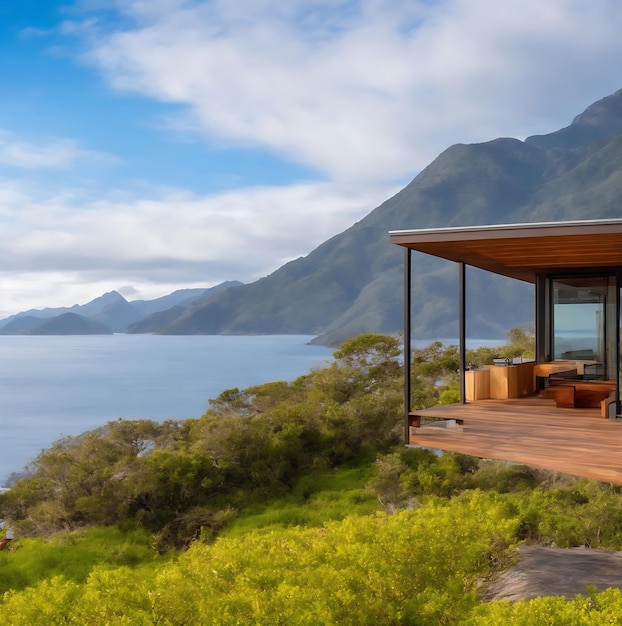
(368, 88)
(53, 153)
(59, 249)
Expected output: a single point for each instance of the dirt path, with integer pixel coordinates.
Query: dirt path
(557, 572)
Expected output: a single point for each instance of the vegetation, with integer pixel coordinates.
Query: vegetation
(74, 555)
(292, 504)
(184, 479)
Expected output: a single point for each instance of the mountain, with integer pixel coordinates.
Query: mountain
(20, 325)
(91, 308)
(117, 315)
(181, 297)
(99, 305)
(71, 324)
(155, 321)
(163, 311)
(110, 312)
(352, 283)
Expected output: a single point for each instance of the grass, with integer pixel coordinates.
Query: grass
(73, 555)
(313, 501)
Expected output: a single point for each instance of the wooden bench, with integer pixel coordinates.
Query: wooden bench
(569, 393)
(564, 396)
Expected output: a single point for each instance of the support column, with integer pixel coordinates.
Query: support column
(618, 347)
(407, 339)
(542, 327)
(462, 296)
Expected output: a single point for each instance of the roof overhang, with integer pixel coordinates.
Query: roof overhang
(524, 251)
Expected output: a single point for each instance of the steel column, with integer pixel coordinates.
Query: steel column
(407, 338)
(619, 324)
(462, 296)
(542, 327)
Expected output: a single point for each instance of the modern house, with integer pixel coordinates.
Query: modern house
(560, 410)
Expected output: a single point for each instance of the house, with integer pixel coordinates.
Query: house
(560, 410)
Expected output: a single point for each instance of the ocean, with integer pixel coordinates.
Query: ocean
(51, 386)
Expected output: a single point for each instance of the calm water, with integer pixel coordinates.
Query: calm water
(53, 386)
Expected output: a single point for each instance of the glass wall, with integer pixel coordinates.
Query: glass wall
(585, 323)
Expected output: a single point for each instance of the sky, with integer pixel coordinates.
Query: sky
(152, 145)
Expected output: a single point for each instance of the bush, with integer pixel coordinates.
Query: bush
(413, 567)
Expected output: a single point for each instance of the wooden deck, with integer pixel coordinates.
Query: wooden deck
(532, 431)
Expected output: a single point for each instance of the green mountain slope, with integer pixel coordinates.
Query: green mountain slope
(353, 282)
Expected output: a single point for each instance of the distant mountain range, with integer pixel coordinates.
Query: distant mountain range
(352, 283)
(108, 314)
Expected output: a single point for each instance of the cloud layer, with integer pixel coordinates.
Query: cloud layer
(174, 239)
(368, 88)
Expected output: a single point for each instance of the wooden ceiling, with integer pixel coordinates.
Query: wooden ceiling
(524, 250)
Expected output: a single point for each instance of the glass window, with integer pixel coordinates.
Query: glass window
(581, 307)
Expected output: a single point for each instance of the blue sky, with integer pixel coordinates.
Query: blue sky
(149, 145)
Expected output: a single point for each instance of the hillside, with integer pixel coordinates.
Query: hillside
(352, 283)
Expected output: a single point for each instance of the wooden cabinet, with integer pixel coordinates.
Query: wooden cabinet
(500, 382)
(477, 383)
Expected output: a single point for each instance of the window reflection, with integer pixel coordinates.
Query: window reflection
(583, 311)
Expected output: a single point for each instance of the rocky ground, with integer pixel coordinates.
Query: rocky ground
(543, 571)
